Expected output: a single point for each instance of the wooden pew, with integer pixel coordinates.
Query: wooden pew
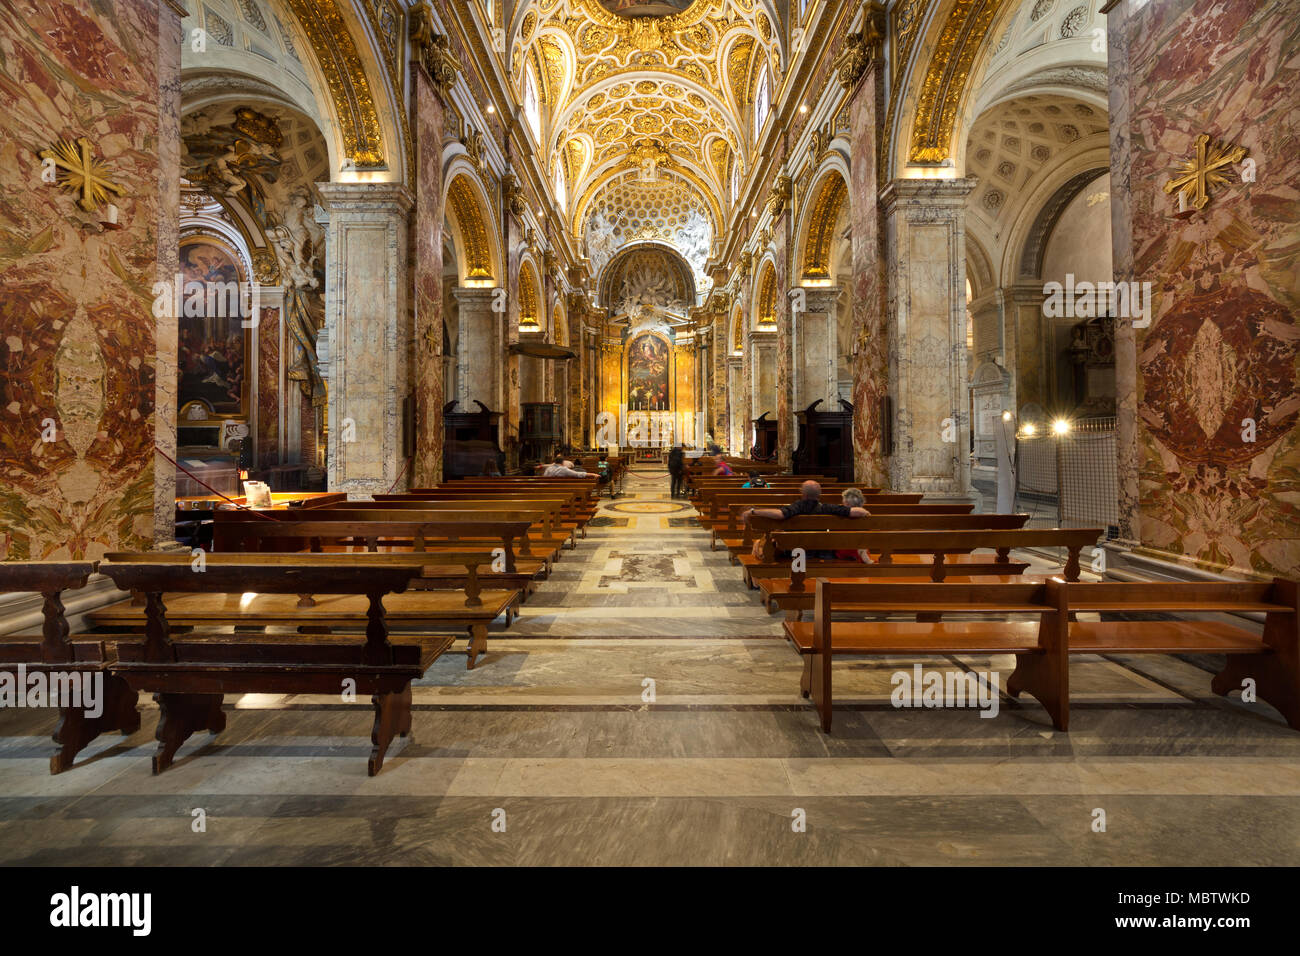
(552, 525)
(540, 539)
(55, 655)
(1042, 649)
(1271, 660)
(190, 674)
(792, 592)
(238, 533)
(421, 607)
(937, 543)
(738, 536)
(714, 510)
(820, 640)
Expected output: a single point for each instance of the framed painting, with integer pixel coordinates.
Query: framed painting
(213, 346)
(648, 373)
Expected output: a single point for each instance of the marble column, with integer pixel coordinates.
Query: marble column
(816, 349)
(367, 333)
(926, 308)
(477, 378)
(427, 121)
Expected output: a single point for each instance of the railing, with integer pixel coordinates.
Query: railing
(1067, 479)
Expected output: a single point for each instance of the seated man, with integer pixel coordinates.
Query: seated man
(810, 503)
(562, 469)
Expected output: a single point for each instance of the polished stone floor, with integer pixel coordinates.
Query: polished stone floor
(644, 710)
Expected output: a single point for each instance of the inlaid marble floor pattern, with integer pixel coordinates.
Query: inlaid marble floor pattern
(644, 709)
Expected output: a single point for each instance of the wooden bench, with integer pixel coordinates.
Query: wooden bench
(820, 640)
(1271, 660)
(421, 607)
(534, 541)
(713, 509)
(1042, 648)
(58, 658)
(451, 532)
(190, 674)
(939, 544)
(737, 536)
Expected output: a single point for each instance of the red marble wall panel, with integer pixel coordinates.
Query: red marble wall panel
(77, 334)
(1218, 409)
(870, 336)
(426, 251)
(268, 388)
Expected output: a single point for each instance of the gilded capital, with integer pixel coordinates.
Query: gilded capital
(431, 49)
(859, 51)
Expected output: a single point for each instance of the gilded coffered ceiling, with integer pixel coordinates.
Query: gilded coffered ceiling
(668, 94)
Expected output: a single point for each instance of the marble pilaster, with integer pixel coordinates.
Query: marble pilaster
(816, 349)
(925, 259)
(477, 337)
(783, 401)
(870, 334)
(169, 218)
(427, 383)
(367, 333)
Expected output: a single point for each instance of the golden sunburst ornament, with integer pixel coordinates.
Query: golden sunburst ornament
(79, 171)
(1195, 177)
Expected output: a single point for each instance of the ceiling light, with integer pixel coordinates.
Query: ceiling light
(491, 109)
(803, 107)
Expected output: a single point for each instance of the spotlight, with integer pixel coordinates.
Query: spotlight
(1060, 426)
(1006, 416)
(1029, 428)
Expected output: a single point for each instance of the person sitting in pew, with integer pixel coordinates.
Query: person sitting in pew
(852, 498)
(809, 503)
(562, 469)
(756, 481)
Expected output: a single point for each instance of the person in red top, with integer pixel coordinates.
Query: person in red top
(723, 469)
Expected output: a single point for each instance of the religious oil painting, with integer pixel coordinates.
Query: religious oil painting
(646, 8)
(213, 344)
(647, 373)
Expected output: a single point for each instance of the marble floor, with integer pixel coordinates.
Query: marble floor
(644, 709)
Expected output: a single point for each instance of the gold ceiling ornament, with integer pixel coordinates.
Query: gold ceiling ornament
(648, 155)
(764, 238)
(1194, 177)
(345, 77)
(781, 192)
(468, 213)
(906, 17)
(528, 300)
(658, 78)
(743, 262)
(79, 171)
(266, 266)
(431, 49)
(472, 140)
(767, 298)
(826, 209)
(945, 79)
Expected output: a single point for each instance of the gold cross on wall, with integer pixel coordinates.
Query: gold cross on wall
(1199, 174)
(81, 172)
